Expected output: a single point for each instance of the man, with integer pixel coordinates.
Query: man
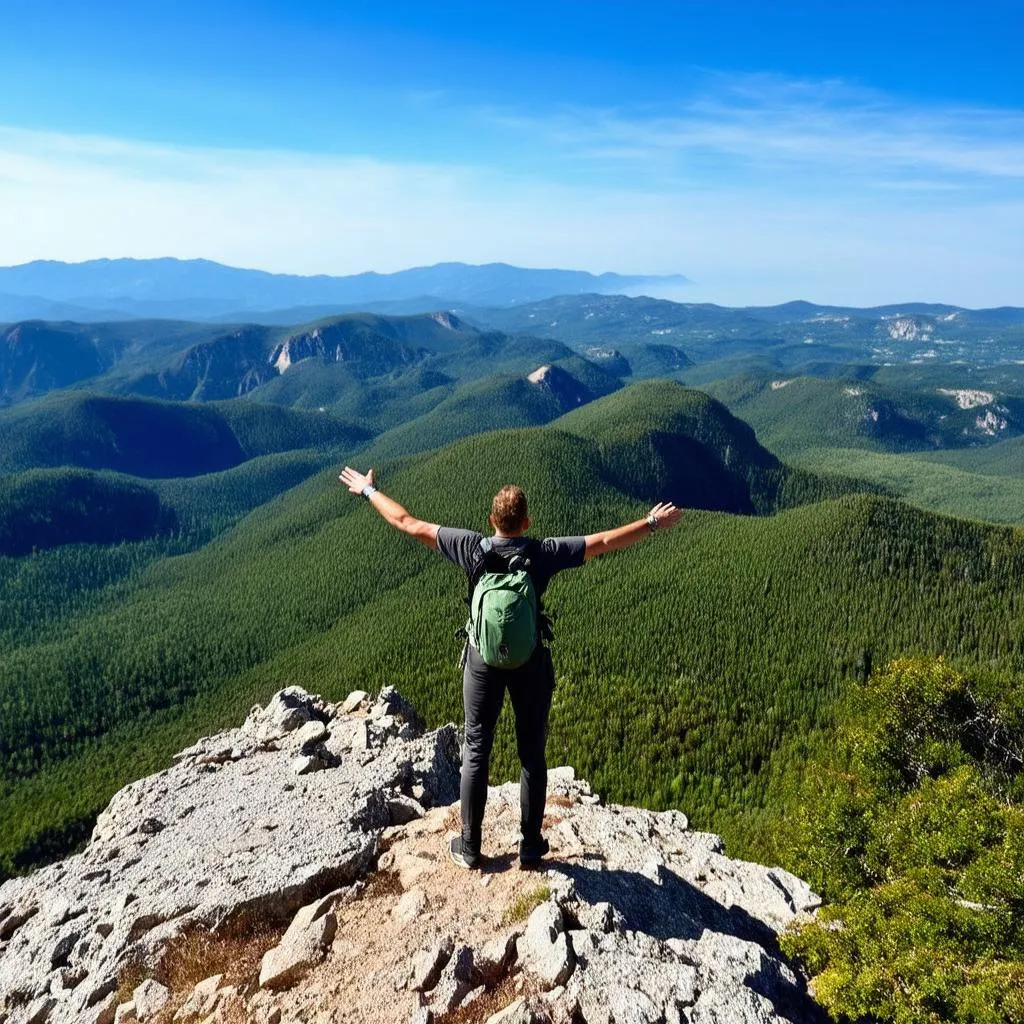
(529, 685)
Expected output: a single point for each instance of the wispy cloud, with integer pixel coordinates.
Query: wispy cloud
(763, 125)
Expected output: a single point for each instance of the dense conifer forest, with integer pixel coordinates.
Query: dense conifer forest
(685, 666)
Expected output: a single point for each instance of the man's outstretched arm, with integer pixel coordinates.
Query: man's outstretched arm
(398, 517)
(661, 517)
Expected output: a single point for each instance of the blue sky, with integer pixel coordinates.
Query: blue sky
(833, 151)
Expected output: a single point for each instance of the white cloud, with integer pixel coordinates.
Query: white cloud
(858, 207)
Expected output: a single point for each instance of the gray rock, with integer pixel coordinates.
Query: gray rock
(262, 1009)
(353, 700)
(647, 921)
(303, 945)
(104, 1013)
(216, 858)
(599, 917)
(717, 1005)
(604, 983)
(150, 998)
(544, 948)
(494, 960)
(410, 906)
(403, 809)
(310, 734)
(202, 1001)
(39, 1011)
(455, 982)
(125, 1013)
(289, 709)
(306, 763)
(428, 964)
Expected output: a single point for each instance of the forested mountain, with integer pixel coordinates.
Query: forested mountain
(201, 289)
(48, 508)
(36, 357)
(359, 365)
(497, 402)
(169, 556)
(790, 414)
(796, 337)
(157, 439)
(708, 623)
(195, 361)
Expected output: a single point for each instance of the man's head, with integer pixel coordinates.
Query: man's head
(508, 511)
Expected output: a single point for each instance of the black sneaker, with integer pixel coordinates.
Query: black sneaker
(531, 854)
(462, 856)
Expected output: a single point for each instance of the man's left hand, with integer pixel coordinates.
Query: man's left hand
(354, 480)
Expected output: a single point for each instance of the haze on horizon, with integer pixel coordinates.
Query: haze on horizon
(854, 156)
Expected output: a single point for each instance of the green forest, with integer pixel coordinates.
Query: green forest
(836, 604)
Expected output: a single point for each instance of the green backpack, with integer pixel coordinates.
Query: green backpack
(503, 610)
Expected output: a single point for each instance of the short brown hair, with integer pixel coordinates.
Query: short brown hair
(508, 510)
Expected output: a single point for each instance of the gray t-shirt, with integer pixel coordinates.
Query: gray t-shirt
(548, 556)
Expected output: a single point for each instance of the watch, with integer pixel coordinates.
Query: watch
(652, 522)
(367, 491)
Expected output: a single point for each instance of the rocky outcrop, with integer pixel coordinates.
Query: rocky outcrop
(565, 388)
(255, 822)
(351, 342)
(325, 824)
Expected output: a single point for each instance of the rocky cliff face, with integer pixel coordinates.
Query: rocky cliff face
(295, 869)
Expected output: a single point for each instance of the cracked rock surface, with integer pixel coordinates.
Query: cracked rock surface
(230, 829)
(330, 822)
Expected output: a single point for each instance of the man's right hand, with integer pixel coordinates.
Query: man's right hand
(666, 514)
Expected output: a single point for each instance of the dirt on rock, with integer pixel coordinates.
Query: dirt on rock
(366, 976)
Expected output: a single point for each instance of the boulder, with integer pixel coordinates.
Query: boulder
(428, 964)
(403, 809)
(495, 958)
(410, 906)
(202, 1001)
(455, 982)
(303, 945)
(353, 701)
(149, 999)
(289, 709)
(544, 948)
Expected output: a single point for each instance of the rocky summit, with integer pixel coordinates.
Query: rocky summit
(295, 869)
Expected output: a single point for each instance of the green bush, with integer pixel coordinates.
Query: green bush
(913, 832)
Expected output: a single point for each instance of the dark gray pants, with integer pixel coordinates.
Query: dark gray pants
(483, 693)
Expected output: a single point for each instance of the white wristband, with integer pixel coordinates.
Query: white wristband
(367, 491)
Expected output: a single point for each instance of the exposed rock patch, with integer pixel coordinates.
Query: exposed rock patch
(228, 832)
(633, 917)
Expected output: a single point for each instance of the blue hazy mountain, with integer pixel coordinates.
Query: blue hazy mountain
(202, 289)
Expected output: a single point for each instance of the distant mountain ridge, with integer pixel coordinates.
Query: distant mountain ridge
(203, 289)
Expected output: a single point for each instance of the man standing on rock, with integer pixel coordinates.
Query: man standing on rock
(508, 574)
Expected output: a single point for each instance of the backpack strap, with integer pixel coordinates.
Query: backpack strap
(484, 550)
(490, 560)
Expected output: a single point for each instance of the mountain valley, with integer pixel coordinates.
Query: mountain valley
(175, 546)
